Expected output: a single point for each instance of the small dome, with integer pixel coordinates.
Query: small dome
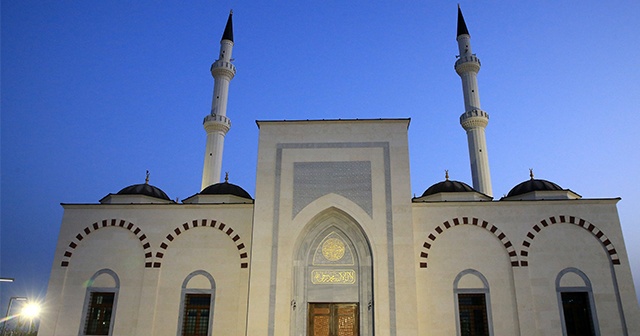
(144, 189)
(448, 186)
(533, 185)
(225, 188)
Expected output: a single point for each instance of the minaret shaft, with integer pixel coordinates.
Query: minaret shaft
(212, 165)
(479, 160)
(474, 120)
(216, 124)
(220, 95)
(470, 91)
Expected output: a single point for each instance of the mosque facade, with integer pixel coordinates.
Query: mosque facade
(332, 243)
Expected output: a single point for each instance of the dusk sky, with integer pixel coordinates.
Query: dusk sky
(94, 93)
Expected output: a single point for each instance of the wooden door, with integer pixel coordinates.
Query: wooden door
(333, 319)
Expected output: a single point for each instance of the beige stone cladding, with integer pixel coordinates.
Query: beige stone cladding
(344, 177)
(150, 249)
(528, 252)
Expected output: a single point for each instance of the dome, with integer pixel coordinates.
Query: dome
(448, 186)
(533, 185)
(225, 188)
(144, 189)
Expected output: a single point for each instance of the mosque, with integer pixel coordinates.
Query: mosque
(332, 243)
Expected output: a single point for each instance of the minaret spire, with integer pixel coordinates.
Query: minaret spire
(216, 124)
(228, 29)
(462, 26)
(474, 119)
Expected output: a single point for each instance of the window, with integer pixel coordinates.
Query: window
(473, 315)
(575, 300)
(100, 304)
(196, 314)
(98, 321)
(473, 304)
(196, 306)
(577, 313)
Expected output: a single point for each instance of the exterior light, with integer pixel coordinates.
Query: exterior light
(31, 310)
(6, 316)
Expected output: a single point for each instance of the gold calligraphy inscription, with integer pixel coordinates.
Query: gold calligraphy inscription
(333, 277)
(333, 249)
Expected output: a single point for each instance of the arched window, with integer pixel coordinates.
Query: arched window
(473, 304)
(100, 301)
(196, 304)
(575, 300)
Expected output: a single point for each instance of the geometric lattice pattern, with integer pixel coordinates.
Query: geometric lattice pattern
(424, 255)
(204, 223)
(349, 179)
(526, 244)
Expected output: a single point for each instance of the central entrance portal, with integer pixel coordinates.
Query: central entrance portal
(333, 319)
(332, 279)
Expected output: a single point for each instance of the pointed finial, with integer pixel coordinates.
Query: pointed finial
(531, 173)
(228, 29)
(462, 26)
(146, 179)
(446, 174)
(226, 177)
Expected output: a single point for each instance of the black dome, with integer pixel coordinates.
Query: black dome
(448, 186)
(533, 185)
(225, 188)
(144, 189)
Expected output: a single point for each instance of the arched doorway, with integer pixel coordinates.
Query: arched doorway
(333, 278)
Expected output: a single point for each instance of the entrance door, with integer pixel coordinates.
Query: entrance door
(333, 319)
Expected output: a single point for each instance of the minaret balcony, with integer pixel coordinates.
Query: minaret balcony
(474, 118)
(216, 122)
(223, 68)
(467, 63)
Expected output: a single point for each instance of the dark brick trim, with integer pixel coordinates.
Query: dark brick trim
(562, 219)
(204, 223)
(66, 258)
(506, 243)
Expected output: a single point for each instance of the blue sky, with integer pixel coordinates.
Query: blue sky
(94, 93)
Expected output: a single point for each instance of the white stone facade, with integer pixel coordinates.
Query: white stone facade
(333, 241)
(349, 179)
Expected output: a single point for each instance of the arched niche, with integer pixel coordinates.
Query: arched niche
(333, 269)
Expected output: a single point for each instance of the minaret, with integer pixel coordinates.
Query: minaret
(216, 123)
(474, 119)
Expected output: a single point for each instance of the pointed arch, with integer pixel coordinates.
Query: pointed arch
(120, 223)
(611, 251)
(506, 243)
(228, 230)
(351, 272)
